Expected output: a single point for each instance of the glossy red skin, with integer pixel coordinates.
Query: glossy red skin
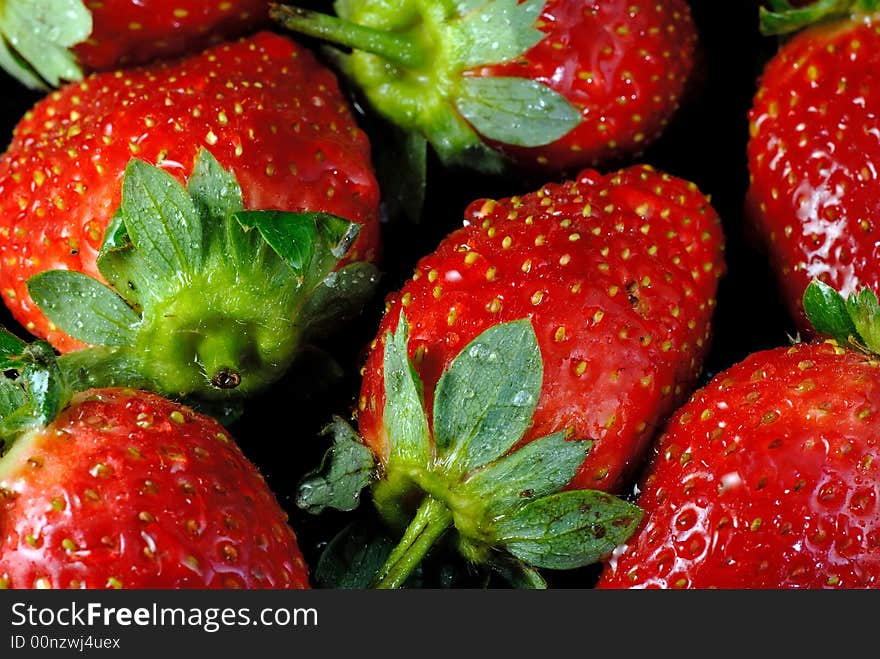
(815, 192)
(263, 106)
(593, 371)
(152, 494)
(769, 477)
(623, 63)
(128, 32)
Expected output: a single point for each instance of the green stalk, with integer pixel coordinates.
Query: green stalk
(430, 522)
(396, 48)
(783, 18)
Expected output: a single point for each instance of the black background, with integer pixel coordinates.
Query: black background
(706, 144)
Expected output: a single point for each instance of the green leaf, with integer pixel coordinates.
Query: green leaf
(339, 298)
(352, 558)
(44, 384)
(37, 36)
(516, 111)
(517, 574)
(162, 221)
(44, 392)
(347, 468)
(311, 244)
(12, 397)
(864, 311)
(498, 31)
(15, 66)
(827, 312)
(217, 196)
(11, 348)
(128, 274)
(541, 467)
(215, 191)
(83, 307)
(484, 402)
(404, 414)
(116, 234)
(568, 530)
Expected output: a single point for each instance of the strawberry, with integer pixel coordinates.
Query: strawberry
(541, 86)
(44, 43)
(117, 488)
(768, 476)
(813, 147)
(563, 325)
(257, 124)
(618, 274)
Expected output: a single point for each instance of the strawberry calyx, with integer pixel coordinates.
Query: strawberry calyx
(411, 60)
(36, 37)
(203, 300)
(461, 473)
(33, 388)
(853, 320)
(784, 18)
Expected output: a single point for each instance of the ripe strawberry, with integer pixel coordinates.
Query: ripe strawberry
(42, 47)
(270, 114)
(768, 477)
(551, 86)
(116, 488)
(618, 274)
(535, 350)
(814, 186)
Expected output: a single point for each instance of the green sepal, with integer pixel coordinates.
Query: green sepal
(853, 321)
(540, 468)
(496, 31)
(162, 221)
(409, 436)
(568, 530)
(784, 18)
(85, 308)
(501, 501)
(517, 574)
(347, 468)
(485, 400)
(516, 111)
(826, 309)
(44, 392)
(216, 309)
(309, 243)
(411, 62)
(352, 558)
(339, 297)
(215, 191)
(864, 311)
(11, 349)
(35, 38)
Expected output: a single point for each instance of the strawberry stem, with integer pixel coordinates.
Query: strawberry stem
(784, 18)
(396, 48)
(430, 522)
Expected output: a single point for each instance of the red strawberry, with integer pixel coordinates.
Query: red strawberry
(117, 488)
(44, 47)
(518, 377)
(129, 32)
(618, 274)
(270, 114)
(552, 86)
(768, 477)
(814, 190)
